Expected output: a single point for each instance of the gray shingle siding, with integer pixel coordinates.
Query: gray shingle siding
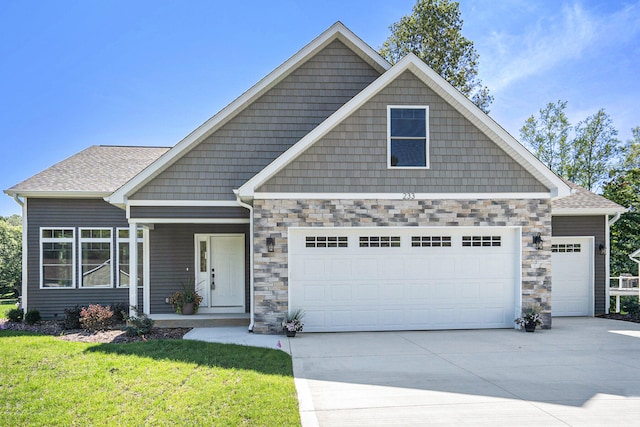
(72, 213)
(183, 212)
(172, 252)
(575, 226)
(265, 129)
(353, 156)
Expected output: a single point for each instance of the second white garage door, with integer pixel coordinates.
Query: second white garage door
(375, 279)
(572, 276)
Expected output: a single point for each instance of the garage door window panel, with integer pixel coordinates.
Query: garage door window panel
(379, 241)
(431, 241)
(481, 241)
(326, 242)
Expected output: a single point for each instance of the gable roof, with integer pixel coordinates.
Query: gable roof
(94, 172)
(336, 32)
(557, 187)
(584, 202)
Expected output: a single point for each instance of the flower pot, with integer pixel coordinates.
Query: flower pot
(530, 327)
(290, 334)
(188, 308)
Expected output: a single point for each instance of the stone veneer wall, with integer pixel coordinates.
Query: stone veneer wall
(272, 218)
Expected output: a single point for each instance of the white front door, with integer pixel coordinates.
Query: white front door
(220, 272)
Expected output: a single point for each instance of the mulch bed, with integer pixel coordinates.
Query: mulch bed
(115, 335)
(617, 316)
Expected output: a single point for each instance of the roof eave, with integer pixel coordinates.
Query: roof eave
(58, 194)
(586, 211)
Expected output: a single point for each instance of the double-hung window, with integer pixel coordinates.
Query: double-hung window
(408, 137)
(123, 256)
(96, 269)
(57, 248)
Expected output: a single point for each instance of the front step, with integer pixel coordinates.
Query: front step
(200, 320)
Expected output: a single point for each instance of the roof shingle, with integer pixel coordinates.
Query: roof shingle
(97, 169)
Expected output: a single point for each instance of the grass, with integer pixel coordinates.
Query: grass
(46, 381)
(5, 306)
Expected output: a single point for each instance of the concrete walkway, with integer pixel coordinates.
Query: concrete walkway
(239, 335)
(584, 371)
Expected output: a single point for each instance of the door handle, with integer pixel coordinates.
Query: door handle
(213, 276)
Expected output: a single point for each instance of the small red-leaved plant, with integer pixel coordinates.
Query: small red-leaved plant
(96, 317)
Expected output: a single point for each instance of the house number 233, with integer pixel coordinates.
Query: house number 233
(408, 196)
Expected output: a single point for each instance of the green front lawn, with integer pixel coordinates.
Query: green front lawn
(5, 306)
(47, 381)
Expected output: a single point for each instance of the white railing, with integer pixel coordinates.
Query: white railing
(624, 286)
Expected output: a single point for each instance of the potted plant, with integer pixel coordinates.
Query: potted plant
(186, 301)
(530, 319)
(293, 323)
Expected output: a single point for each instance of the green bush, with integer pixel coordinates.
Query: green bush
(72, 318)
(138, 325)
(630, 305)
(15, 315)
(32, 316)
(96, 317)
(120, 312)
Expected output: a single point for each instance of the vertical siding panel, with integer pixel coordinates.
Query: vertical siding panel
(72, 213)
(575, 226)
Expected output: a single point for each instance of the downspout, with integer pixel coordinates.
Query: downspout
(23, 291)
(251, 292)
(607, 264)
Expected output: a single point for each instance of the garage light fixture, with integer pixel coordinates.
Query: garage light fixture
(271, 244)
(537, 241)
(602, 249)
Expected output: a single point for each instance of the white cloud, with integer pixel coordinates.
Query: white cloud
(554, 39)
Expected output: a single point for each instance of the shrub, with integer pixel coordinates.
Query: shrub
(32, 316)
(630, 305)
(138, 325)
(96, 317)
(120, 312)
(72, 318)
(15, 315)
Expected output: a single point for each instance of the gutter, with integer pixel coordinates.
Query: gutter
(607, 265)
(23, 291)
(251, 291)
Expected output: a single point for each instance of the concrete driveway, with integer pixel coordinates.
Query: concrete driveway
(584, 371)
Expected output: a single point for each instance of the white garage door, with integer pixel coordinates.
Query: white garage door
(375, 279)
(572, 276)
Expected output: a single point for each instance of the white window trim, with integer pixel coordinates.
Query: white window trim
(99, 240)
(58, 240)
(427, 142)
(117, 251)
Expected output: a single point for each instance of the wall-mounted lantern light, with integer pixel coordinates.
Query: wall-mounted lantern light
(271, 244)
(537, 241)
(602, 249)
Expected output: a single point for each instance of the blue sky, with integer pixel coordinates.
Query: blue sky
(79, 73)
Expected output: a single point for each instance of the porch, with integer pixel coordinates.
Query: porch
(200, 320)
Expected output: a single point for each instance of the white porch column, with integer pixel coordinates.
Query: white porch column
(133, 267)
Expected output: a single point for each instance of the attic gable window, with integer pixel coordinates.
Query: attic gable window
(408, 136)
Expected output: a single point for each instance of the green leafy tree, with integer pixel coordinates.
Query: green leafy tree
(624, 189)
(10, 257)
(433, 32)
(595, 148)
(632, 150)
(547, 137)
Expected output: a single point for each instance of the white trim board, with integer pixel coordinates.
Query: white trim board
(177, 203)
(399, 196)
(557, 187)
(336, 32)
(190, 220)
